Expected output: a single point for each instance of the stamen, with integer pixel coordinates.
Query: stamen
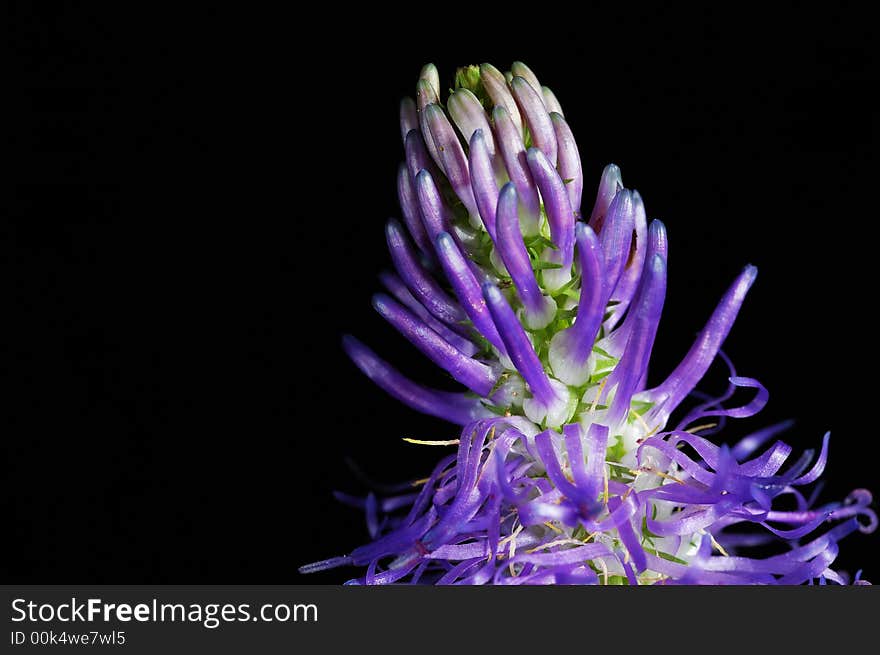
(715, 543)
(511, 537)
(604, 568)
(640, 419)
(425, 442)
(704, 426)
(567, 541)
(665, 476)
(598, 395)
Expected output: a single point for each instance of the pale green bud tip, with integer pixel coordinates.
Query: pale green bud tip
(468, 77)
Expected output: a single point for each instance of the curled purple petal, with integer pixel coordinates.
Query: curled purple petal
(467, 288)
(551, 102)
(531, 105)
(398, 289)
(476, 376)
(695, 364)
(610, 183)
(450, 156)
(483, 181)
(634, 361)
(569, 163)
(497, 89)
(469, 116)
(453, 407)
(412, 213)
(519, 69)
(409, 117)
(752, 442)
(513, 152)
(556, 204)
(629, 280)
(419, 282)
(538, 310)
(552, 402)
(616, 236)
(571, 348)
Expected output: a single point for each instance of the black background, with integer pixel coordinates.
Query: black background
(196, 215)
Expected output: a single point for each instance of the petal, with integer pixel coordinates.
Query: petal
(538, 310)
(513, 152)
(398, 289)
(570, 349)
(610, 183)
(409, 206)
(483, 181)
(409, 117)
(551, 102)
(476, 376)
(518, 346)
(497, 89)
(423, 286)
(531, 105)
(569, 163)
(556, 204)
(469, 116)
(450, 155)
(698, 359)
(453, 407)
(616, 237)
(466, 287)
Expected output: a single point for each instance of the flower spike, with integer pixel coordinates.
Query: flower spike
(567, 469)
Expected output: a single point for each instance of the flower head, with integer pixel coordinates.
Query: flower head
(567, 467)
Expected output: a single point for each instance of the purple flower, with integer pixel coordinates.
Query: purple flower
(567, 469)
